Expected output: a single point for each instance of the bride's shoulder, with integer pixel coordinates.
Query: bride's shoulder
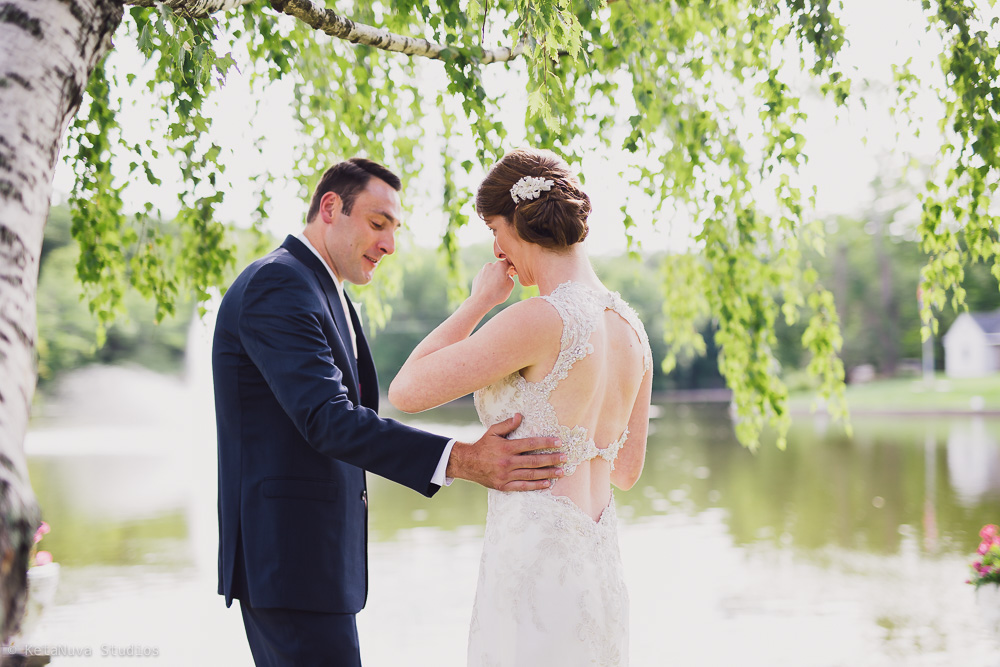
(533, 315)
(535, 310)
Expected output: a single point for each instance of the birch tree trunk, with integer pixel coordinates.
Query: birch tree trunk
(48, 49)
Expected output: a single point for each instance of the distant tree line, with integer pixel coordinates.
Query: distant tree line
(872, 269)
(423, 302)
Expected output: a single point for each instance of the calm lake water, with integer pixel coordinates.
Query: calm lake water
(835, 552)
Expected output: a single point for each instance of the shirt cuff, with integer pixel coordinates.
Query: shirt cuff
(442, 467)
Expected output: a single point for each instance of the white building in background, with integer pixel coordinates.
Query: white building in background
(972, 345)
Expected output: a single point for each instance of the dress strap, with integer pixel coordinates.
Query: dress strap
(629, 315)
(577, 309)
(580, 306)
(610, 453)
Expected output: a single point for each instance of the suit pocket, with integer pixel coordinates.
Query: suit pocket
(305, 489)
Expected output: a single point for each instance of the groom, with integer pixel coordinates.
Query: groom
(296, 396)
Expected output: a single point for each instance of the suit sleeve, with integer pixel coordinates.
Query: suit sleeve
(280, 326)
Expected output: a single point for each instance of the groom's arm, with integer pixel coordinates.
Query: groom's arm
(280, 326)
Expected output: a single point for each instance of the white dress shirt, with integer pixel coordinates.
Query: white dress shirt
(439, 477)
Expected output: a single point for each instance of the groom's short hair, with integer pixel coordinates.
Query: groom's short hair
(347, 179)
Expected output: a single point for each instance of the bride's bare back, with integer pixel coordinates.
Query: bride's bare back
(599, 394)
(592, 392)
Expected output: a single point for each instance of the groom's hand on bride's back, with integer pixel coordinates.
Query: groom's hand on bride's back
(508, 465)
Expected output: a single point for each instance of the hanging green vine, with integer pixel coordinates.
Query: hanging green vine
(701, 101)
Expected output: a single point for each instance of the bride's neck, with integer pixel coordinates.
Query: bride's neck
(555, 268)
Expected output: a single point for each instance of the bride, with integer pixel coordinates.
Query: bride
(575, 363)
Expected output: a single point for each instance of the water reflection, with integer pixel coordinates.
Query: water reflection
(118, 510)
(839, 549)
(974, 460)
(867, 493)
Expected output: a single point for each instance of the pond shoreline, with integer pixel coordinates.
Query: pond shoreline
(800, 409)
(882, 398)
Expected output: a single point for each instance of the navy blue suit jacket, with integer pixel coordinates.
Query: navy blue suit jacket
(297, 427)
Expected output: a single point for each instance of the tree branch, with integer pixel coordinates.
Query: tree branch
(335, 25)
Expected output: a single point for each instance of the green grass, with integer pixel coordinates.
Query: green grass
(909, 394)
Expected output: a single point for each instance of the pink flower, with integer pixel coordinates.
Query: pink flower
(42, 531)
(983, 548)
(43, 558)
(989, 531)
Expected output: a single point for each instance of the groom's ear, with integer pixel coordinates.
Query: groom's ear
(329, 206)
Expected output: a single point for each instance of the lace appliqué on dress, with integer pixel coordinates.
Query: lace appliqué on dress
(551, 585)
(580, 308)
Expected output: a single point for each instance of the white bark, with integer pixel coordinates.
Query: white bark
(193, 8)
(48, 49)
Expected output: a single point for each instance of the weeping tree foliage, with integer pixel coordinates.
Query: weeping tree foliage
(701, 101)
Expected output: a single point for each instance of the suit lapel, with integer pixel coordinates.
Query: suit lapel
(366, 365)
(333, 298)
(302, 253)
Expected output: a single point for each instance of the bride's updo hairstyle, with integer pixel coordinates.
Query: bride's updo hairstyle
(556, 219)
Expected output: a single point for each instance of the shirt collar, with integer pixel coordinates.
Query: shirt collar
(333, 276)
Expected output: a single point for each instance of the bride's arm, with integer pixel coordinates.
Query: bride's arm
(490, 288)
(452, 361)
(628, 465)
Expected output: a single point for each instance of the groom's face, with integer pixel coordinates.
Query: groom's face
(355, 242)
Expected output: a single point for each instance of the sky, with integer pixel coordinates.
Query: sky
(847, 147)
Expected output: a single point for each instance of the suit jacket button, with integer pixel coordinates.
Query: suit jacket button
(364, 497)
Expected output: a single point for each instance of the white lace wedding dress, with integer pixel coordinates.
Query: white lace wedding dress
(551, 588)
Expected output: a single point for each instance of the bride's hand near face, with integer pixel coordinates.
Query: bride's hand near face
(457, 358)
(493, 285)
